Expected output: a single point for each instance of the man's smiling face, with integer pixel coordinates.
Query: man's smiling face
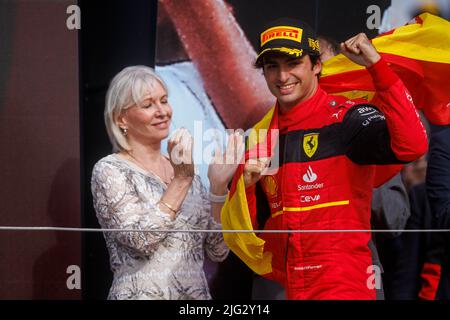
(291, 80)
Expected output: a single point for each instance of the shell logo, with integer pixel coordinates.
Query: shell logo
(270, 186)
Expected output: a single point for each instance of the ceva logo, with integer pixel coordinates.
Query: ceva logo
(309, 176)
(310, 198)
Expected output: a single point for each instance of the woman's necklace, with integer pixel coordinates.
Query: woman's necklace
(165, 180)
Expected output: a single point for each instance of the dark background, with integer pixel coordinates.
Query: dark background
(39, 140)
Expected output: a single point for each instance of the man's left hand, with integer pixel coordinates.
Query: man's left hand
(360, 50)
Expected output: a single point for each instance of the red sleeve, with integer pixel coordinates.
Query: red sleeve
(408, 136)
(430, 275)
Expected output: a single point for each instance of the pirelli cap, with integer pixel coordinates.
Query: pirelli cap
(288, 36)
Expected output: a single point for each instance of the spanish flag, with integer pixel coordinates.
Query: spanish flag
(235, 215)
(418, 52)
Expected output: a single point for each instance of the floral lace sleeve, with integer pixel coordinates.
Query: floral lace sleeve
(120, 206)
(215, 246)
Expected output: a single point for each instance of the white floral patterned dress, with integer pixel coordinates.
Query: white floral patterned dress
(153, 265)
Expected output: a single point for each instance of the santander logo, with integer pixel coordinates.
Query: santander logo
(309, 176)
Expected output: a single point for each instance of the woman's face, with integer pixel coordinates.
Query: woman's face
(148, 122)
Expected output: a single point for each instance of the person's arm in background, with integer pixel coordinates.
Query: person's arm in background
(390, 206)
(390, 211)
(438, 175)
(430, 210)
(219, 49)
(411, 249)
(438, 196)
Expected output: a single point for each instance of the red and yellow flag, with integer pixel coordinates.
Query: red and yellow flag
(418, 52)
(235, 212)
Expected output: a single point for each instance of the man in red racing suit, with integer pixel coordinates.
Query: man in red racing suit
(329, 149)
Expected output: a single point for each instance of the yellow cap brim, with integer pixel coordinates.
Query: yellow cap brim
(288, 51)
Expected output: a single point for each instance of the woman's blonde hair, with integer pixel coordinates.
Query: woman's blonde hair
(125, 90)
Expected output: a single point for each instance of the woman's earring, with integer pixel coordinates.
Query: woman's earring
(124, 131)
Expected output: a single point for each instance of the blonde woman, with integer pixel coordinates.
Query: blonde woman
(139, 188)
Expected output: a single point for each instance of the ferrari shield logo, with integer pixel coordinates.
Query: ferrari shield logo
(310, 143)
